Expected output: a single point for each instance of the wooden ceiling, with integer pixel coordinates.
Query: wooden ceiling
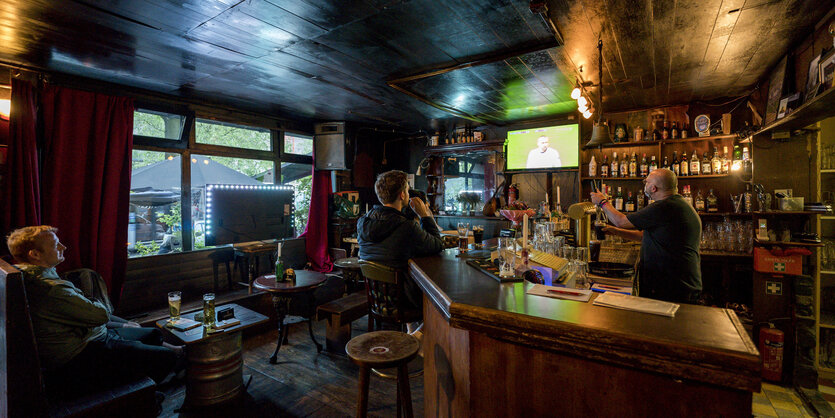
(372, 60)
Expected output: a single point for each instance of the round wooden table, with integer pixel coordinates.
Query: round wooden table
(353, 272)
(283, 292)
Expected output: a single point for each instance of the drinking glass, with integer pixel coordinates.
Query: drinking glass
(478, 234)
(209, 310)
(581, 254)
(174, 305)
(568, 252)
(463, 240)
(581, 279)
(594, 250)
(507, 257)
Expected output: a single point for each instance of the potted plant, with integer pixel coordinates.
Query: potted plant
(469, 199)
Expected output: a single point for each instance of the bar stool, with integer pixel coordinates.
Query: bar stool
(384, 349)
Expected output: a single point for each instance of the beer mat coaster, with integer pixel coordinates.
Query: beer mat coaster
(490, 269)
(227, 323)
(579, 295)
(182, 324)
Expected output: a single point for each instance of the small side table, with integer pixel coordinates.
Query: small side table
(353, 272)
(283, 293)
(355, 246)
(214, 373)
(245, 252)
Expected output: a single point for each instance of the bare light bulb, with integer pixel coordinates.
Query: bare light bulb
(575, 94)
(582, 101)
(587, 114)
(582, 108)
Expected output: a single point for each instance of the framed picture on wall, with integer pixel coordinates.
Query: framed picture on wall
(813, 80)
(826, 69)
(781, 110)
(775, 90)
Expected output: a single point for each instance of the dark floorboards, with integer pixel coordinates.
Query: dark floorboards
(302, 384)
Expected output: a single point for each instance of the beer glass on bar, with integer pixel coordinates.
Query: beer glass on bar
(463, 239)
(478, 235)
(174, 305)
(507, 257)
(209, 310)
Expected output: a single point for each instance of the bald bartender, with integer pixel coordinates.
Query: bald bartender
(669, 231)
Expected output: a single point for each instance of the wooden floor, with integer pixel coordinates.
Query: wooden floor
(302, 384)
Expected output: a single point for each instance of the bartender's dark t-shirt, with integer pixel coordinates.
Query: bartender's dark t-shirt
(670, 263)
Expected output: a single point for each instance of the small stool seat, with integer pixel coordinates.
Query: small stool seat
(383, 349)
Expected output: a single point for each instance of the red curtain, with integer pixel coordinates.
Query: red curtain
(316, 231)
(21, 196)
(86, 178)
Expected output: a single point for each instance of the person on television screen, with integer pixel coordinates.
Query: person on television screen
(543, 156)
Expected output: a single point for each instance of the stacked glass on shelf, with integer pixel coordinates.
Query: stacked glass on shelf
(828, 255)
(546, 241)
(730, 236)
(828, 157)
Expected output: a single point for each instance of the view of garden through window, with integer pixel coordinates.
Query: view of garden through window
(155, 204)
(298, 144)
(158, 124)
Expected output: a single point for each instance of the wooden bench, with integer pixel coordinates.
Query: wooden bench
(22, 392)
(340, 313)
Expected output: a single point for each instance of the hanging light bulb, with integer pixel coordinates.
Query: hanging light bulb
(582, 108)
(587, 114)
(582, 101)
(575, 94)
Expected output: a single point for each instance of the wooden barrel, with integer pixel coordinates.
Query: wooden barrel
(215, 370)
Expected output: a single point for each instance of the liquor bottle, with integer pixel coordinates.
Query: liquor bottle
(747, 165)
(748, 197)
(653, 165)
(695, 165)
(615, 168)
(665, 131)
(644, 167)
(619, 200)
(687, 196)
(674, 131)
(604, 167)
(279, 264)
(726, 162)
(684, 165)
(639, 201)
(712, 202)
(706, 165)
(633, 166)
(656, 134)
(592, 167)
(624, 166)
(685, 131)
(676, 164)
(630, 203)
(700, 202)
(666, 164)
(716, 162)
(736, 164)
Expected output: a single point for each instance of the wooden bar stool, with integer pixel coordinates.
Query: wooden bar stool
(384, 349)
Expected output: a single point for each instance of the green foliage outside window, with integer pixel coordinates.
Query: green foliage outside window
(232, 136)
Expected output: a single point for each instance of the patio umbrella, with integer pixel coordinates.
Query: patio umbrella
(154, 198)
(165, 175)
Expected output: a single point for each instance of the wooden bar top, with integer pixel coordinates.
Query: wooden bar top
(700, 343)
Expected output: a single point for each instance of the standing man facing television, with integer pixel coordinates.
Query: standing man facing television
(543, 156)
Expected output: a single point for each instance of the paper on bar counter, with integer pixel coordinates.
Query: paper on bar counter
(183, 324)
(635, 303)
(603, 288)
(580, 295)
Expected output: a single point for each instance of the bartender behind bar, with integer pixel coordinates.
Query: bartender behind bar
(669, 231)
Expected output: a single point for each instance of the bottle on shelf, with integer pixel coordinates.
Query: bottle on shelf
(666, 163)
(687, 196)
(665, 131)
(614, 170)
(712, 202)
(633, 166)
(592, 167)
(674, 132)
(699, 202)
(630, 203)
(748, 199)
(684, 165)
(653, 165)
(716, 162)
(726, 162)
(639, 200)
(685, 130)
(656, 134)
(604, 167)
(695, 165)
(747, 165)
(624, 166)
(707, 166)
(736, 164)
(619, 200)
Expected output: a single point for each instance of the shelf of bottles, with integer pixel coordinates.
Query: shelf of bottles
(656, 143)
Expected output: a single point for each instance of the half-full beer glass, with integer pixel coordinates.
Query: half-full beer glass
(174, 305)
(209, 310)
(463, 239)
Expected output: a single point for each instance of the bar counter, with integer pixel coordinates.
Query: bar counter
(492, 350)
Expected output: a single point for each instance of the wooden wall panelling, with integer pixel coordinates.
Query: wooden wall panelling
(446, 378)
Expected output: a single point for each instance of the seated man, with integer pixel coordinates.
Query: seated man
(76, 344)
(387, 236)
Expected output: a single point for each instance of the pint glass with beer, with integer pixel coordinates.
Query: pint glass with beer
(174, 305)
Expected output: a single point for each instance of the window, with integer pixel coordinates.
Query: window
(300, 176)
(207, 169)
(155, 124)
(155, 217)
(469, 179)
(230, 135)
(298, 144)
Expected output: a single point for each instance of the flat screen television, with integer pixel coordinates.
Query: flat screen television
(242, 213)
(549, 147)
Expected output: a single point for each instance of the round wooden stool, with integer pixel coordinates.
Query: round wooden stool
(383, 349)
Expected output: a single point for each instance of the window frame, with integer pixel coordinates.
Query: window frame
(187, 146)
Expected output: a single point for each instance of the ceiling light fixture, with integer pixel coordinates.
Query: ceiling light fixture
(575, 94)
(600, 132)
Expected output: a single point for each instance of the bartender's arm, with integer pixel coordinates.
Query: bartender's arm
(624, 229)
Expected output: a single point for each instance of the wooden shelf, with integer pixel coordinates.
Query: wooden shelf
(785, 212)
(465, 147)
(697, 139)
(789, 243)
(828, 217)
(724, 214)
(827, 320)
(663, 142)
(708, 176)
(821, 107)
(828, 170)
(724, 254)
(827, 272)
(626, 145)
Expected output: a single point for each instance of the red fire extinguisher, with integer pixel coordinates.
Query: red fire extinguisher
(771, 351)
(512, 194)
